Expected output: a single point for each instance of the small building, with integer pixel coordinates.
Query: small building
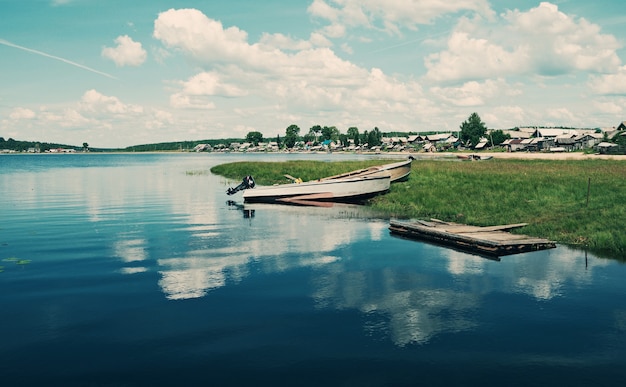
(606, 148)
(202, 148)
(514, 144)
(538, 144)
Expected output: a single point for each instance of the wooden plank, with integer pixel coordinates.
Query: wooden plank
(490, 228)
(491, 240)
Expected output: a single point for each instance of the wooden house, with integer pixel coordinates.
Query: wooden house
(514, 144)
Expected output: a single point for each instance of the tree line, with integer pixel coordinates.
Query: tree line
(318, 134)
(471, 131)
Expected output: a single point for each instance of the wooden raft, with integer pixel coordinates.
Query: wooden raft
(492, 241)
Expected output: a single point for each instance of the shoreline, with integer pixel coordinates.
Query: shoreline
(516, 155)
(424, 155)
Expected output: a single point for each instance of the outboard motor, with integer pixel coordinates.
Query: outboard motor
(248, 182)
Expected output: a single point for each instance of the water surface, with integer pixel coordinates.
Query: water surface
(135, 270)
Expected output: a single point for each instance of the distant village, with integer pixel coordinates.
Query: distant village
(523, 139)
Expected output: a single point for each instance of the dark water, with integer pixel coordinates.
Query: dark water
(133, 270)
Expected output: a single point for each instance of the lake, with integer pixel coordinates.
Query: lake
(136, 270)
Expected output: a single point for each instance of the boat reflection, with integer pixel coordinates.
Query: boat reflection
(247, 213)
(331, 210)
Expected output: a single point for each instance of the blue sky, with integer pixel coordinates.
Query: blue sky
(119, 73)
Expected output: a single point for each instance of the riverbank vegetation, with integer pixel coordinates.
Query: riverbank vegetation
(581, 203)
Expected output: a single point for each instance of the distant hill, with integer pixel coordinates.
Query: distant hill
(41, 147)
(178, 145)
(32, 146)
(38, 146)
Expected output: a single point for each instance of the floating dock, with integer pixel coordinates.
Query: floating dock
(492, 241)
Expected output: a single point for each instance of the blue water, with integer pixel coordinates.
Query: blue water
(135, 270)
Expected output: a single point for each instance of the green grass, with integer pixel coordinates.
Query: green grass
(268, 173)
(551, 196)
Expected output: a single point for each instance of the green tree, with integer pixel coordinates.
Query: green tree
(85, 147)
(315, 131)
(353, 134)
(364, 137)
(330, 133)
(374, 138)
(472, 130)
(343, 139)
(497, 137)
(309, 137)
(254, 137)
(291, 135)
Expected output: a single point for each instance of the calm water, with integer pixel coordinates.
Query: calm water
(134, 270)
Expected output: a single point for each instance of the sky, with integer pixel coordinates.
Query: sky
(118, 73)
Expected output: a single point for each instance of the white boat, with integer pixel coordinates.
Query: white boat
(347, 190)
(474, 157)
(398, 171)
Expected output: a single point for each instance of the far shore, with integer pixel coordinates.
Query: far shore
(434, 155)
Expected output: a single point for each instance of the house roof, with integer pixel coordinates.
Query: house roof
(554, 132)
(606, 145)
(517, 133)
(438, 137)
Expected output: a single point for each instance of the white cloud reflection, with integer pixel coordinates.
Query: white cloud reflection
(408, 305)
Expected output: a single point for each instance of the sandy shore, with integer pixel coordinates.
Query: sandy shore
(533, 155)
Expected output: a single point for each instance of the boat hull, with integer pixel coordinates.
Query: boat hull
(398, 171)
(347, 190)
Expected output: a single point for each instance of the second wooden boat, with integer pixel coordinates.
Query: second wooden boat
(398, 171)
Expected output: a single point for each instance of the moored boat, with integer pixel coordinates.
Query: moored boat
(348, 190)
(398, 171)
(474, 156)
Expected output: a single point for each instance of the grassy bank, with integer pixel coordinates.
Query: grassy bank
(576, 202)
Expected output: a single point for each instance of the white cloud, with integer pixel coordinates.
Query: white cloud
(159, 119)
(563, 115)
(391, 15)
(560, 43)
(197, 91)
(126, 53)
(201, 38)
(20, 113)
(505, 116)
(615, 108)
(542, 41)
(209, 83)
(310, 78)
(283, 42)
(610, 84)
(467, 57)
(97, 103)
(474, 93)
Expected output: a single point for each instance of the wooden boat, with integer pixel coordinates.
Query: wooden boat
(473, 157)
(349, 189)
(399, 171)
